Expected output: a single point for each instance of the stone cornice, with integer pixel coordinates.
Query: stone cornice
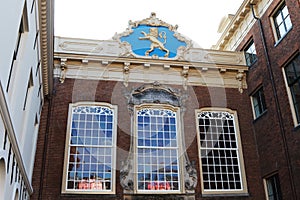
(233, 24)
(127, 70)
(240, 24)
(46, 14)
(108, 60)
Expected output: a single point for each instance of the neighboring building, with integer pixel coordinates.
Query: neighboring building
(269, 33)
(25, 58)
(128, 121)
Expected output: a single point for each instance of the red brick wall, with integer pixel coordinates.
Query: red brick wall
(112, 92)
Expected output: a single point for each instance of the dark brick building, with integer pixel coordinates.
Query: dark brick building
(272, 42)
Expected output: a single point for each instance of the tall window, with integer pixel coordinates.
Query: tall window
(273, 188)
(220, 153)
(22, 29)
(292, 73)
(258, 102)
(250, 54)
(90, 151)
(157, 150)
(28, 90)
(282, 21)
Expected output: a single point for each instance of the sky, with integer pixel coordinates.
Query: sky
(197, 20)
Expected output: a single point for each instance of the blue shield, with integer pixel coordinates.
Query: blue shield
(147, 40)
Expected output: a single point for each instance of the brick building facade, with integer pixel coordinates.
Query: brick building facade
(217, 128)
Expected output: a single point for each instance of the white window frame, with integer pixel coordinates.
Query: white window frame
(289, 93)
(181, 188)
(112, 190)
(243, 182)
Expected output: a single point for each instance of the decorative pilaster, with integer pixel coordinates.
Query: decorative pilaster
(240, 77)
(126, 73)
(63, 68)
(185, 73)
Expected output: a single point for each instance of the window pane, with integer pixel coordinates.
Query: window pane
(279, 20)
(157, 153)
(288, 23)
(281, 30)
(285, 12)
(219, 152)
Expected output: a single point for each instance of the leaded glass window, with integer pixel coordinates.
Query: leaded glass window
(90, 149)
(220, 158)
(157, 147)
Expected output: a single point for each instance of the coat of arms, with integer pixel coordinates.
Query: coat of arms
(152, 36)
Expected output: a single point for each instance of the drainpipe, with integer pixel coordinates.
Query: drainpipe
(278, 111)
(45, 147)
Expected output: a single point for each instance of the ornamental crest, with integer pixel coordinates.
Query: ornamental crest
(153, 38)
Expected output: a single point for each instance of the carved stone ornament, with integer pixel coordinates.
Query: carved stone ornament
(126, 177)
(63, 68)
(190, 178)
(160, 94)
(239, 78)
(153, 38)
(155, 93)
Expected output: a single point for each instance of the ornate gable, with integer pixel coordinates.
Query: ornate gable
(153, 38)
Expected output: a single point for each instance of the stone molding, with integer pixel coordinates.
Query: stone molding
(213, 68)
(240, 24)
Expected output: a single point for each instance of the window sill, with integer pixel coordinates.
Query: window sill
(260, 116)
(226, 195)
(252, 64)
(296, 128)
(278, 41)
(160, 196)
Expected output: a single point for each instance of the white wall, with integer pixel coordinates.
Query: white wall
(22, 118)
